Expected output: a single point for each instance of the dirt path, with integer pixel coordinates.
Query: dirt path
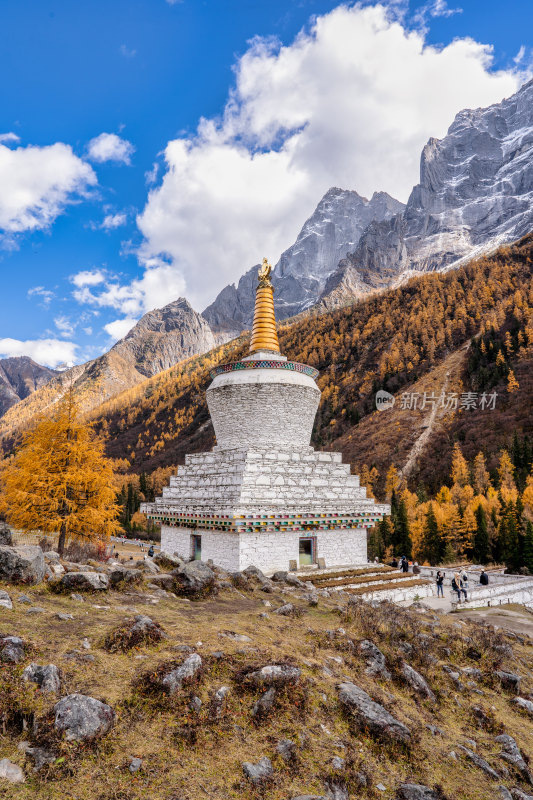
(429, 422)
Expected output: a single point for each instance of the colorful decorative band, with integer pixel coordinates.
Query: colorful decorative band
(265, 523)
(293, 366)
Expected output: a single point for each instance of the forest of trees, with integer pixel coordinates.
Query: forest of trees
(477, 517)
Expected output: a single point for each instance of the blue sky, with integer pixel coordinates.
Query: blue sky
(113, 200)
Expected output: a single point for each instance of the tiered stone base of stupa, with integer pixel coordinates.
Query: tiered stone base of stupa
(276, 508)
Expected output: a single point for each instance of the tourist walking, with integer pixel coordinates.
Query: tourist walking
(405, 564)
(484, 578)
(440, 583)
(463, 584)
(151, 551)
(456, 580)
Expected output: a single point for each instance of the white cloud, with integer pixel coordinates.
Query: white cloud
(120, 327)
(127, 52)
(65, 325)
(9, 138)
(112, 221)
(150, 176)
(88, 277)
(50, 352)
(159, 285)
(39, 291)
(110, 147)
(36, 183)
(349, 103)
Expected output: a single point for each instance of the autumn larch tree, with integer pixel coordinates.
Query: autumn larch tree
(60, 480)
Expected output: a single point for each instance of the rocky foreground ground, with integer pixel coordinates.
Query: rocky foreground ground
(173, 681)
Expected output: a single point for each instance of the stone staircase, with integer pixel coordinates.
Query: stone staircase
(375, 581)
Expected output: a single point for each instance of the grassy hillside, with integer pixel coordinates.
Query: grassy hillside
(189, 754)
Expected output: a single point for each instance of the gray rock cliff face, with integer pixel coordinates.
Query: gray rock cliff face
(475, 192)
(299, 277)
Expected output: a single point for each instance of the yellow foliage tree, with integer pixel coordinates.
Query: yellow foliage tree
(368, 478)
(60, 480)
(481, 474)
(512, 383)
(506, 475)
(460, 474)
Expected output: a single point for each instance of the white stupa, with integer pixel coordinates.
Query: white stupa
(263, 495)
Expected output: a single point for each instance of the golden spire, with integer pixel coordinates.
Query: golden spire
(264, 335)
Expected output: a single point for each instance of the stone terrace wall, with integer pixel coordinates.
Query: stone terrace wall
(520, 591)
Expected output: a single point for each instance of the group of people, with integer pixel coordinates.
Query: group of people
(459, 583)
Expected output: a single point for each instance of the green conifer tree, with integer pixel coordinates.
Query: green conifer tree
(433, 545)
(528, 547)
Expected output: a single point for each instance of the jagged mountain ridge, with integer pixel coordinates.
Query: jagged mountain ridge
(302, 272)
(159, 340)
(475, 193)
(20, 376)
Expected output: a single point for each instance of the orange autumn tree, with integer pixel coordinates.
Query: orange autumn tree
(60, 480)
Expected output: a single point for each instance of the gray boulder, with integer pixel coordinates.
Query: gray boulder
(511, 753)
(287, 750)
(46, 677)
(135, 765)
(518, 794)
(5, 600)
(509, 680)
(168, 560)
(264, 704)
(275, 675)
(525, 705)
(5, 534)
(375, 660)
(121, 575)
(84, 582)
(21, 564)
(370, 715)
(259, 773)
(218, 702)
(185, 673)
(286, 610)
(12, 650)
(11, 772)
(82, 718)
(194, 580)
(163, 581)
(416, 791)
(40, 757)
(417, 682)
(479, 762)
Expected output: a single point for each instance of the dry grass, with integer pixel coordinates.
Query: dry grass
(190, 756)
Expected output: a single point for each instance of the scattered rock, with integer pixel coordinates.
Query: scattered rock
(64, 617)
(36, 610)
(23, 598)
(505, 794)
(371, 715)
(82, 718)
(336, 789)
(236, 637)
(479, 762)
(78, 597)
(259, 773)
(416, 791)
(46, 677)
(264, 704)
(40, 757)
(218, 701)
(275, 675)
(133, 633)
(375, 660)
(11, 772)
(21, 564)
(417, 682)
(310, 797)
(135, 765)
(287, 750)
(12, 650)
(472, 672)
(194, 580)
(511, 753)
(525, 705)
(518, 794)
(185, 673)
(121, 575)
(5, 600)
(163, 581)
(168, 561)
(83, 581)
(509, 681)
(338, 763)
(287, 610)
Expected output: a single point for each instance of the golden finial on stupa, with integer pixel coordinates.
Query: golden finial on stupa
(264, 334)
